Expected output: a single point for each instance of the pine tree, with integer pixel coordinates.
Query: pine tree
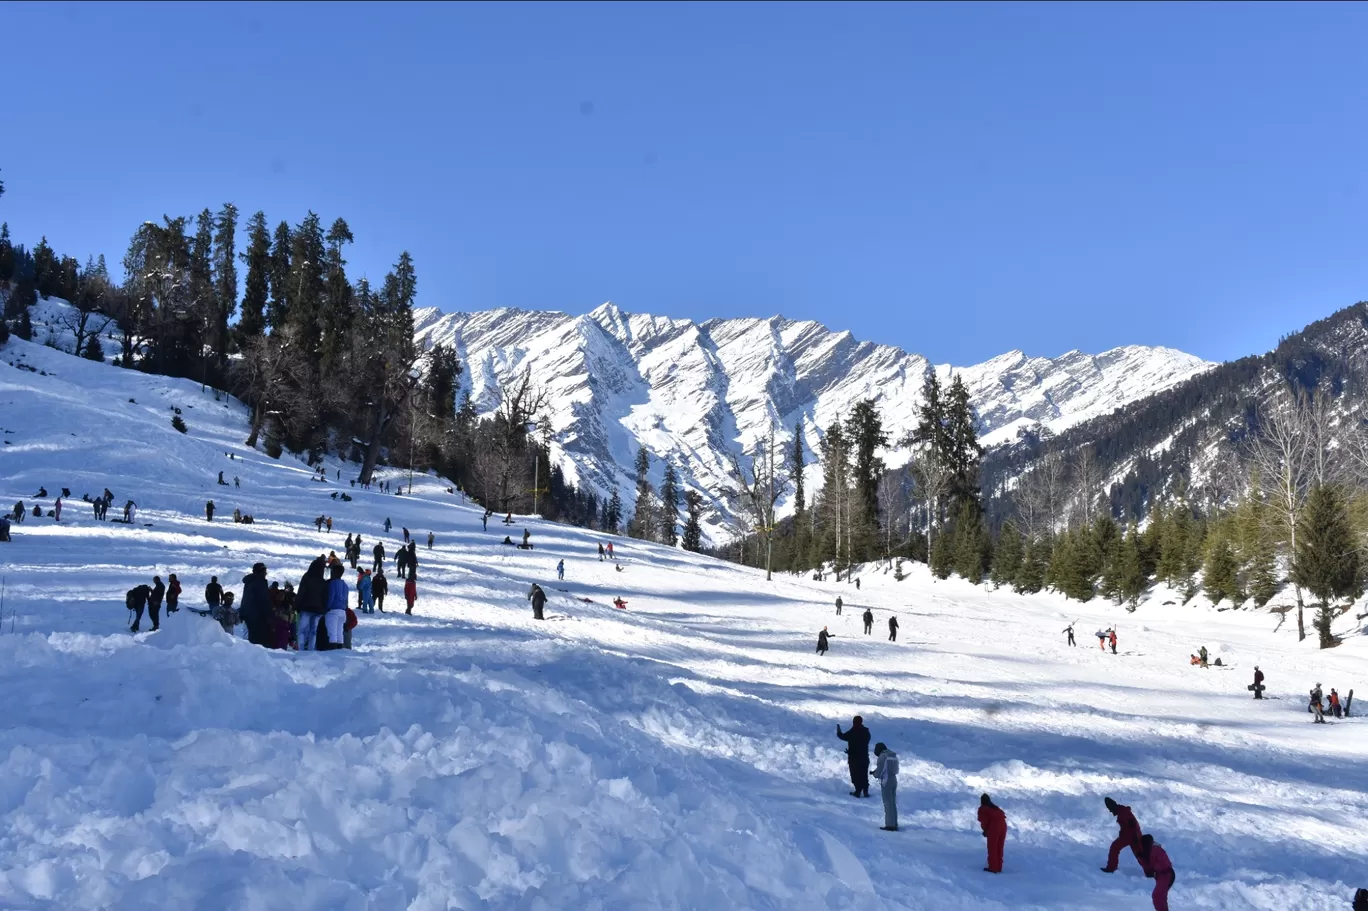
(1073, 564)
(942, 556)
(693, 526)
(864, 429)
(669, 507)
(93, 350)
(1131, 579)
(225, 278)
(1030, 576)
(963, 452)
(971, 552)
(337, 312)
(642, 523)
(798, 462)
(278, 311)
(612, 513)
(1007, 557)
(1220, 572)
(1326, 562)
(256, 289)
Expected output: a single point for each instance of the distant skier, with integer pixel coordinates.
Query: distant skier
(839, 605)
(1069, 629)
(857, 755)
(411, 591)
(1158, 867)
(1112, 639)
(213, 593)
(1258, 685)
(868, 621)
(379, 588)
(993, 822)
(1128, 835)
(209, 511)
(610, 551)
(822, 644)
(136, 601)
(893, 629)
(538, 599)
(560, 570)
(886, 770)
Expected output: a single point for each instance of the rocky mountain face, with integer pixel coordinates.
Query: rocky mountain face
(699, 393)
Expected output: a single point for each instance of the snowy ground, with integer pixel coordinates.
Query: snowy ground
(680, 754)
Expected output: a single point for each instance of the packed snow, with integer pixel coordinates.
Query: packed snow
(680, 753)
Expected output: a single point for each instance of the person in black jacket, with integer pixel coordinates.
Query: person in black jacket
(136, 600)
(412, 558)
(379, 588)
(311, 601)
(857, 755)
(154, 602)
(213, 593)
(538, 599)
(257, 610)
(868, 621)
(379, 557)
(822, 644)
(892, 629)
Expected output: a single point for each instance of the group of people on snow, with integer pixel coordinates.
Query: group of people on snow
(824, 637)
(149, 598)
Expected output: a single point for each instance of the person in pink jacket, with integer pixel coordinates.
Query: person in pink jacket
(1159, 868)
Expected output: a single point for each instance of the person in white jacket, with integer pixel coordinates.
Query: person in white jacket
(886, 770)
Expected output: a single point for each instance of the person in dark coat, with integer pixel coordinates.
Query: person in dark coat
(893, 629)
(400, 561)
(857, 755)
(379, 588)
(173, 593)
(1069, 629)
(839, 605)
(413, 557)
(1128, 835)
(136, 601)
(1360, 900)
(822, 644)
(311, 602)
(209, 511)
(1258, 686)
(154, 602)
(431, 540)
(993, 822)
(868, 621)
(213, 593)
(538, 599)
(257, 611)
(379, 553)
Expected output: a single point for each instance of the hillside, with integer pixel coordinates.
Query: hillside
(697, 393)
(679, 754)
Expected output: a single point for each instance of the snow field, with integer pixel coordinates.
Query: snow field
(680, 754)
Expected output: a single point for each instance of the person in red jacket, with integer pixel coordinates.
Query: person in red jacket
(993, 822)
(1129, 835)
(411, 591)
(1158, 867)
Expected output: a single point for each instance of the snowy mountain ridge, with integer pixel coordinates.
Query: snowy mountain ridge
(698, 393)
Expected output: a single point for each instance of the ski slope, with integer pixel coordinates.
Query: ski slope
(679, 754)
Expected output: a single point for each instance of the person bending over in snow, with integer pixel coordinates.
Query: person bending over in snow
(857, 755)
(993, 822)
(822, 644)
(887, 772)
(136, 601)
(1128, 835)
(1101, 639)
(1159, 868)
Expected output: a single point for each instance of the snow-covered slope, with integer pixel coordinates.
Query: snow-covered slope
(697, 393)
(678, 754)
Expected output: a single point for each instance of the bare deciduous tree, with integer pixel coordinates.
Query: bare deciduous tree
(931, 482)
(761, 487)
(1039, 496)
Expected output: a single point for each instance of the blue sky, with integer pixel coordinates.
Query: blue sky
(959, 180)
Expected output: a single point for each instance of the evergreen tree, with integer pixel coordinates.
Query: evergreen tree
(970, 544)
(1131, 580)
(612, 513)
(1220, 573)
(643, 520)
(942, 555)
(864, 429)
(336, 309)
(963, 452)
(93, 350)
(1173, 547)
(1326, 562)
(306, 286)
(256, 289)
(1072, 565)
(1008, 555)
(1030, 576)
(797, 462)
(693, 526)
(278, 311)
(225, 278)
(6, 254)
(669, 507)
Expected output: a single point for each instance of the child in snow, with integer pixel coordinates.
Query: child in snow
(993, 822)
(560, 570)
(886, 770)
(411, 591)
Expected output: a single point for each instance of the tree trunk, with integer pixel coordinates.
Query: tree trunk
(378, 426)
(257, 415)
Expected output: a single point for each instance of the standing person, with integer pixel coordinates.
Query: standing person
(173, 592)
(347, 549)
(257, 611)
(1128, 835)
(1157, 865)
(335, 620)
(136, 601)
(400, 560)
(1258, 686)
(213, 593)
(328, 522)
(311, 603)
(600, 551)
(406, 535)
(379, 552)
(857, 755)
(1202, 654)
(57, 510)
(993, 822)
(839, 605)
(893, 628)
(318, 524)
(538, 599)
(282, 623)
(379, 588)
(413, 557)
(527, 536)
(1316, 707)
(886, 770)
(560, 570)
(610, 551)
(484, 520)
(410, 591)
(431, 539)
(1334, 703)
(365, 592)
(154, 602)
(388, 525)
(822, 643)
(1112, 639)
(1069, 629)
(868, 621)
(209, 511)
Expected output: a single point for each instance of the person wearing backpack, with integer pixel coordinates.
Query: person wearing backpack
(136, 601)
(886, 770)
(311, 603)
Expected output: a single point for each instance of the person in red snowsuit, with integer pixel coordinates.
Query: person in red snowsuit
(993, 822)
(1129, 835)
(1158, 867)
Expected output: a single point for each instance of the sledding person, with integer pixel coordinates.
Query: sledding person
(1258, 686)
(136, 601)
(1069, 629)
(538, 599)
(1112, 639)
(379, 553)
(379, 588)
(619, 603)
(1128, 835)
(886, 770)
(257, 611)
(527, 536)
(822, 644)
(311, 603)
(410, 591)
(868, 621)
(839, 605)
(221, 481)
(1159, 868)
(237, 515)
(893, 628)
(209, 511)
(335, 620)
(993, 822)
(173, 592)
(857, 755)
(213, 593)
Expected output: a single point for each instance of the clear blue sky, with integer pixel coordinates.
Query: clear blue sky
(959, 180)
